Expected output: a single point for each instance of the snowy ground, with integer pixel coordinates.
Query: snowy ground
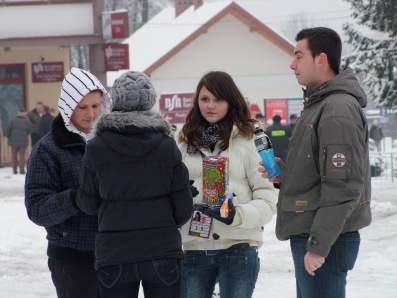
(24, 272)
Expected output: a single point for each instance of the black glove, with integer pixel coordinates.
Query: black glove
(214, 211)
(193, 189)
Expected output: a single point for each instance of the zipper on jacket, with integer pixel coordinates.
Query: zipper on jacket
(324, 164)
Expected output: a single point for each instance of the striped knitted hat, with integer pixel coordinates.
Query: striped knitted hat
(77, 84)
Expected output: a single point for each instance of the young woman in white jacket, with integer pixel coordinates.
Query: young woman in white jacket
(219, 124)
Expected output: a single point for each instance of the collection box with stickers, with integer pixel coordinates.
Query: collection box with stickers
(214, 179)
(200, 225)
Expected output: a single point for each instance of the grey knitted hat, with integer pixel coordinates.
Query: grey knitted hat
(133, 91)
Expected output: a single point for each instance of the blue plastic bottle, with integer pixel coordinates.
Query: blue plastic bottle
(265, 150)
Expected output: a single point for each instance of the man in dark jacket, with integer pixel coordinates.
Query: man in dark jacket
(376, 134)
(325, 187)
(292, 123)
(35, 118)
(45, 123)
(134, 179)
(279, 135)
(18, 139)
(52, 182)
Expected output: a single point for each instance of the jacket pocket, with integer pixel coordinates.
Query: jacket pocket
(308, 201)
(167, 271)
(109, 275)
(338, 161)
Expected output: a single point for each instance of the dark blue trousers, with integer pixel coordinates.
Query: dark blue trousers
(330, 279)
(160, 279)
(235, 269)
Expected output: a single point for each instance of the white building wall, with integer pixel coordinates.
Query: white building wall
(260, 68)
(46, 20)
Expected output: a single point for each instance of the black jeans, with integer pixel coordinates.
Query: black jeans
(73, 280)
(160, 279)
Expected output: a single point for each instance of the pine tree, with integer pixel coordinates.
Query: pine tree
(374, 43)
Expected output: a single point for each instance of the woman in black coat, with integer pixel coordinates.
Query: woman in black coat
(134, 179)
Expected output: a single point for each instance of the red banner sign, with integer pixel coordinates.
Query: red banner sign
(276, 107)
(46, 72)
(116, 56)
(115, 25)
(176, 106)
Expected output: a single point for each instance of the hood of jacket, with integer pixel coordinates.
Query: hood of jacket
(344, 83)
(134, 133)
(77, 84)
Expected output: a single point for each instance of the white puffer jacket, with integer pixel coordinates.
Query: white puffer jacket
(255, 196)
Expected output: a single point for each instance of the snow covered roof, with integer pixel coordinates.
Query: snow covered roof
(156, 40)
(164, 33)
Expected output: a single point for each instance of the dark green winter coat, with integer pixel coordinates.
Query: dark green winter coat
(18, 132)
(325, 189)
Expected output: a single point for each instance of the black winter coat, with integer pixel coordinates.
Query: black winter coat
(134, 179)
(51, 185)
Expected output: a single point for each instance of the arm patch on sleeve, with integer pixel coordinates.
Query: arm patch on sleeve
(338, 161)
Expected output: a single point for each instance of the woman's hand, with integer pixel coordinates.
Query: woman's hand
(214, 212)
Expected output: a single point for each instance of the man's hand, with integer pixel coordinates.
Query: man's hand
(274, 179)
(312, 262)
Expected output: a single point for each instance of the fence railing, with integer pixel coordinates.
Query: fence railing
(383, 165)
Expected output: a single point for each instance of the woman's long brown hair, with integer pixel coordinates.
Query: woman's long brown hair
(222, 86)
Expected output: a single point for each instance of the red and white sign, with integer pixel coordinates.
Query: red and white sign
(254, 110)
(116, 56)
(276, 107)
(295, 106)
(115, 25)
(176, 106)
(46, 72)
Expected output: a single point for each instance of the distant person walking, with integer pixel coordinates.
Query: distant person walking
(45, 123)
(18, 139)
(35, 118)
(279, 135)
(261, 120)
(376, 134)
(292, 123)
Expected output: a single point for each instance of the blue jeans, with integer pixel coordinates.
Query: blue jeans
(330, 279)
(236, 269)
(160, 279)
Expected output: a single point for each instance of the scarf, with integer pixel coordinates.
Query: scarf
(209, 136)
